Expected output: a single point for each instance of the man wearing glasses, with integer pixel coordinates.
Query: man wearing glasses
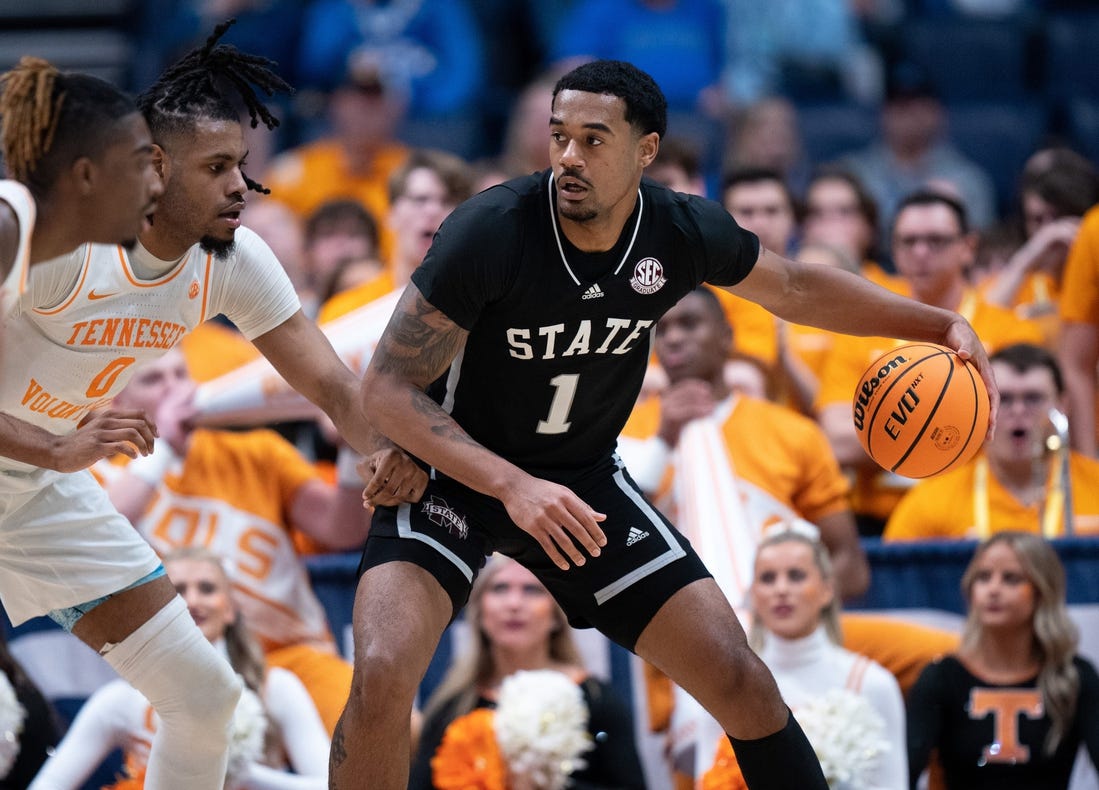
(932, 248)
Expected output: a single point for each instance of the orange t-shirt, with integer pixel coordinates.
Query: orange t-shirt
(944, 507)
(1080, 282)
(754, 328)
(212, 350)
(353, 298)
(303, 178)
(874, 272)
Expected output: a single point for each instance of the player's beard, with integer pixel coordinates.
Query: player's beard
(219, 248)
(129, 244)
(576, 213)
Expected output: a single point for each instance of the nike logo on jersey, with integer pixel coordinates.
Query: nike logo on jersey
(593, 293)
(636, 535)
(93, 295)
(619, 336)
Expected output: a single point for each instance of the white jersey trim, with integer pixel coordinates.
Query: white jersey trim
(557, 231)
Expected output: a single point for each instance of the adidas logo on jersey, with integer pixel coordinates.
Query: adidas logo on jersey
(593, 293)
(636, 535)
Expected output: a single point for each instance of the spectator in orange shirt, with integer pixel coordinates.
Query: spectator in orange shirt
(1053, 199)
(356, 159)
(1080, 332)
(760, 201)
(841, 212)
(337, 231)
(422, 193)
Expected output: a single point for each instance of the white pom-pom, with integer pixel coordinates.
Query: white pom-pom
(246, 734)
(847, 734)
(541, 726)
(12, 717)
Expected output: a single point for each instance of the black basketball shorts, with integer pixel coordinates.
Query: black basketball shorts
(452, 529)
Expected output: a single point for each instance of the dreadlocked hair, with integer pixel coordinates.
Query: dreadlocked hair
(49, 118)
(196, 88)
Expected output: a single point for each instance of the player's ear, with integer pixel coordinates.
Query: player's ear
(83, 173)
(162, 163)
(648, 147)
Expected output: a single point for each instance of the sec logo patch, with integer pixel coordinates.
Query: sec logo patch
(648, 276)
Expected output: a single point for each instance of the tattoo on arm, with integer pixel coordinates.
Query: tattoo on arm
(442, 424)
(417, 347)
(419, 343)
(337, 755)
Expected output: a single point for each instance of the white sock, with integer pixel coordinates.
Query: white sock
(194, 692)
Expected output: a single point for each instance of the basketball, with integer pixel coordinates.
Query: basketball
(919, 410)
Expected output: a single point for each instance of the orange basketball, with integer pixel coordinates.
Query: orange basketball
(920, 410)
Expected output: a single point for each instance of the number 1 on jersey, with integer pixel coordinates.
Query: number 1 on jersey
(564, 390)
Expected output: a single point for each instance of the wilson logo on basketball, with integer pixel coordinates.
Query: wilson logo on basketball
(648, 276)
(866, 391)
(192, 292)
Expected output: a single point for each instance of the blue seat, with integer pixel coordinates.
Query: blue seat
(999, 136)
(459, 134)
(1083, 127)
(1069, 55)
(831, 130)
(706, 135)
(970, 59)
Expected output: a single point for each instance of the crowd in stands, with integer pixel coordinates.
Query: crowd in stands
(826, 129)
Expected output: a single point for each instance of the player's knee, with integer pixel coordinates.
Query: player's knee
(205, 713)
(743, 673)
(219, 699)
(384, 681)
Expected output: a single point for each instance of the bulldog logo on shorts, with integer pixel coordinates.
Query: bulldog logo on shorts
(439, 512)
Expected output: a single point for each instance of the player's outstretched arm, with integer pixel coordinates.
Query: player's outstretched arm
(416, 348)
(101, 434)
(303, 355)
(830, 298)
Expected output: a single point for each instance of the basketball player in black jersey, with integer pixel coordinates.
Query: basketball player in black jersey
(511, 364)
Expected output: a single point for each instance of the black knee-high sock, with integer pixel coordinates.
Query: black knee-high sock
(783, 760)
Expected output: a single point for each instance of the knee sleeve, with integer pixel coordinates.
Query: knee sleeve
(193, 690)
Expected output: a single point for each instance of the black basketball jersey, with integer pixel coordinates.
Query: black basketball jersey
(559, 339)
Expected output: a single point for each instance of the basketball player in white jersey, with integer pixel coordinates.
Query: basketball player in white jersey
(70, 141)
(80, 331)
(81, 157)
(78, 161)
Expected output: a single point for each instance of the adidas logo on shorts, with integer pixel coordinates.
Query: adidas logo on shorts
(593, 293)
(636, 535)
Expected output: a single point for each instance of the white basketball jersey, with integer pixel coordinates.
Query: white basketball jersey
(21, 202)
(62, 361)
